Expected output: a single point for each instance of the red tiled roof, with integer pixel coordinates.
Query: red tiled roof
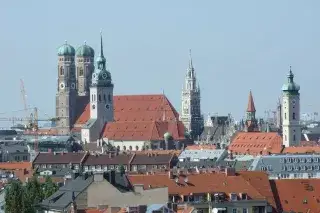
(143, 130)
(15, 165)
(251, 107)
(137, 108)
(243, 182)
(298, 195)
(301, 149)
(255, 143)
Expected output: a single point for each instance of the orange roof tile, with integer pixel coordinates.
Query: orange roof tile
(200, 147)
(138, 108)
(251, 107)
(301, 149)
(209, 183)
(143, 130)
(255, 143)
(298, 195)
(15, 165)
(185, 209)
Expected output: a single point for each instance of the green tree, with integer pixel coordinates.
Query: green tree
(49, 187)
(14, 197)
(33, 194)
(122, 169)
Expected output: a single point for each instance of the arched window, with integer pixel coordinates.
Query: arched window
(137, 148)
(285, 115)
(118, 148)
(294, 116)
(294, 137)
(61, 71)
(109, 98)
(99, 97)
(104, 97)
(124, 148)
(130, 148)
(147, 147)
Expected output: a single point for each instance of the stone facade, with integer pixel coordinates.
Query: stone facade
(291, 128)
(190, 106)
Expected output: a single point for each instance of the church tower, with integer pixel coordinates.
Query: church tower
(85, 68)
(101, 100)
(251, 121)
(291, 128)
(191, 111)
(66, 91)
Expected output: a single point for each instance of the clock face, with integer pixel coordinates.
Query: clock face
(104, 76)
(62, 86)
(94, 76)
(293, 102)
(107, 106)
(73, 85)
(93, 106)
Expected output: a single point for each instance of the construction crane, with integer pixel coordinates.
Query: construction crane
(31, 121)
(24, 100)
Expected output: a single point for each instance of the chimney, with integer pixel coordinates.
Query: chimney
(230, 171)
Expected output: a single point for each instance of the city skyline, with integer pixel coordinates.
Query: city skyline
(229, 61)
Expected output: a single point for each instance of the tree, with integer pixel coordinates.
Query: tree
(33, 193)
(49, 187)
(122, 169)
(14, 197)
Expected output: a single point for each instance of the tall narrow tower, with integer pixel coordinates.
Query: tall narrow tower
(291, 128)
(191, 110)
(85, 68)
(66, 91)
(101, 100)
(251, 122)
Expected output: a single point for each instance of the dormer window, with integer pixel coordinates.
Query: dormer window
(244, 196)
(233, 197)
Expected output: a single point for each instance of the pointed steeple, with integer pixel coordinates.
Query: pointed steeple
(251, 107)
(101, 45)
(101, 60)
(190, 60)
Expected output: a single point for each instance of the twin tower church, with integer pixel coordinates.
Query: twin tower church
(85, 100)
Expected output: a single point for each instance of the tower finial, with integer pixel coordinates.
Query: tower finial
(85, 42)
(101, 44)
(190, 60)
(65, 41)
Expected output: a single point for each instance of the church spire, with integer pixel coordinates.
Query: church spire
(101, 60)
(251, 107)
(101, 45)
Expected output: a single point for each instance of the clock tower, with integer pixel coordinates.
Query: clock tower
(101, 100)
(66, 91)
(291, 128)
(190, 106)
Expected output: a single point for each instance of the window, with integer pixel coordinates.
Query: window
(104, 97)
(81, 71)
(285, 115)
(309, 160)
(294, 116)
(281, 160)
(109, 98)
(61, 71)
(234, 210)
(99, 97)
(294, 137)
(124, 148)
(244, 210)
(130, 148)
(137, 148)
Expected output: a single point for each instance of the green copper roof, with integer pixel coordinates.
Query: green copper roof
(167, 135)
(290, 86)
(85, 51)
(66, 50)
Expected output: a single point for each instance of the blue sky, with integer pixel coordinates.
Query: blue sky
(236, 46)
